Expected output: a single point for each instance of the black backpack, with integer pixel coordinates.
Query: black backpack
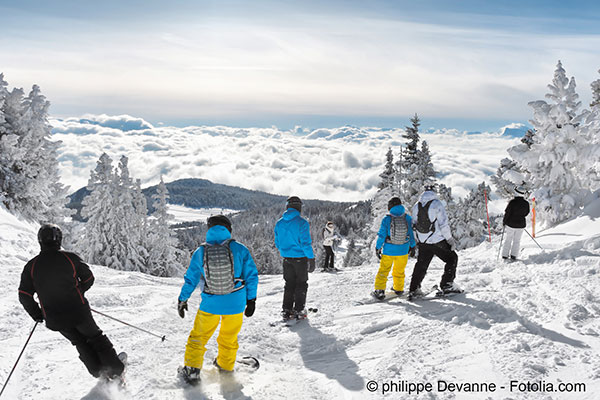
(218, 269)
(424, 224)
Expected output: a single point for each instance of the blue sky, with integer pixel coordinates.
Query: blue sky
(459, 64)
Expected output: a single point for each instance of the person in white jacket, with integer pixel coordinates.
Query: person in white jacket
(329, 236)
(434, 238)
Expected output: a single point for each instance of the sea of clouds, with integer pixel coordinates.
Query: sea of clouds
(340, 164)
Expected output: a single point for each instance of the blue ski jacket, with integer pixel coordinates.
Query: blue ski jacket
(292, 235)
(390, 249)
(243, 267)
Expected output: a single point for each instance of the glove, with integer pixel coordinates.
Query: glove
(452, 243)
(311, 264)
(412, 252)
(250, 307)
(182, 308)
(39, 319)
(378, 253)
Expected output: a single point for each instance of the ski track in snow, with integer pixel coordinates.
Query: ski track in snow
(530, 320)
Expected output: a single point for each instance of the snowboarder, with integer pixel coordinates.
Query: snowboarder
(434, 239)
(514, 223)
(329, 237)
(292, 239)
(60, 280)
(394, 241)
(226, 274)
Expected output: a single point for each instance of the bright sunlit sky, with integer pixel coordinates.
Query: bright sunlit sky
(459, 64)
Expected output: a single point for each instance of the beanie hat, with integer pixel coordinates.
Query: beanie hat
(394, 201)
(294, 202)
(219, 220)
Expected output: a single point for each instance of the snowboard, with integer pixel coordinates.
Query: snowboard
(242, 364)
(436, 293)
(389, 295)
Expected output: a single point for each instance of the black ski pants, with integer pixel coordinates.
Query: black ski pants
(329, 255)
(443, 251)
(295, 274)
(95, 350)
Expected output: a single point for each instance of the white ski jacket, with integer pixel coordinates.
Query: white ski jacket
(437, 213)
(329, 236)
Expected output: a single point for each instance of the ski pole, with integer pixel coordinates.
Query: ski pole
(162, 338)
(533, 239)
(501, 238)
(18, 358)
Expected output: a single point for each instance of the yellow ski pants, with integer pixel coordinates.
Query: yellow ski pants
(399, 263)
(205, 325)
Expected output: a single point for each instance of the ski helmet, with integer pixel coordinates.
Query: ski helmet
(394, 201)
(219, 220)
(50, 235)
(520, 190)
(294, 202)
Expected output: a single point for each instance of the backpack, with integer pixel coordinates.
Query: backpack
(398, 230)
(424, 224)
(218, 269)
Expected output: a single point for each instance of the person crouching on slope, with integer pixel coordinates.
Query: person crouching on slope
(394, 241)
(60, 280)
(514, 223)
(292, 239)
(226, 274)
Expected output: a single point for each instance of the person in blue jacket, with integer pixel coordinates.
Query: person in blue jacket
(395, 240)
(228, 292)
(292, 239)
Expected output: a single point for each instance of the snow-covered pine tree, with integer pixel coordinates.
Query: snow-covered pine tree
(471, 228)
(590, 130)
(554, 166)
(97, 241)
(387, 176)
(412, 144)
(129, 247)
(528, 137)
(595, 93)
(507, 176)
(29, 178)
(164, 259)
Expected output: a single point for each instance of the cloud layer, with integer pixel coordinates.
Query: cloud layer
(335, 164)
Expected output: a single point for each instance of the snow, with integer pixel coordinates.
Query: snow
(534, 320)
(182, 213)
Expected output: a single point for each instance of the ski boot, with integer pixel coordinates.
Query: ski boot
(398, 292)
(190, 375)
(415, 294)
(378, 294)
(451, 288)
(221, 370)
(300, 315)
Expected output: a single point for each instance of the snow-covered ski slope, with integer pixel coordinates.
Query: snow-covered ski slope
(535, 320)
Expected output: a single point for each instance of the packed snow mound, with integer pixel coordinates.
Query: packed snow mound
(531, 322)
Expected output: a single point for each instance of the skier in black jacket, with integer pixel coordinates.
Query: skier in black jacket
(514, 223)
(60, 280)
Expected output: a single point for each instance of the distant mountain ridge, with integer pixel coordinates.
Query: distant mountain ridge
(197, 193)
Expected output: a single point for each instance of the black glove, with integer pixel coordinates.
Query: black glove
(378, 253)
(250, 307)
(412, 252)
(311, 264)
(39, 319)
(182, 308)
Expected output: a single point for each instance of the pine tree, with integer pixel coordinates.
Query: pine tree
(508, 175)
(97, 242)
(164, 258)
(387, 176)
(554, 164)
(412, 145)
(471, 228)
(29, 179)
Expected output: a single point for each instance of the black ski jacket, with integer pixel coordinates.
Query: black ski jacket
(60, 279)
(515, 213)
